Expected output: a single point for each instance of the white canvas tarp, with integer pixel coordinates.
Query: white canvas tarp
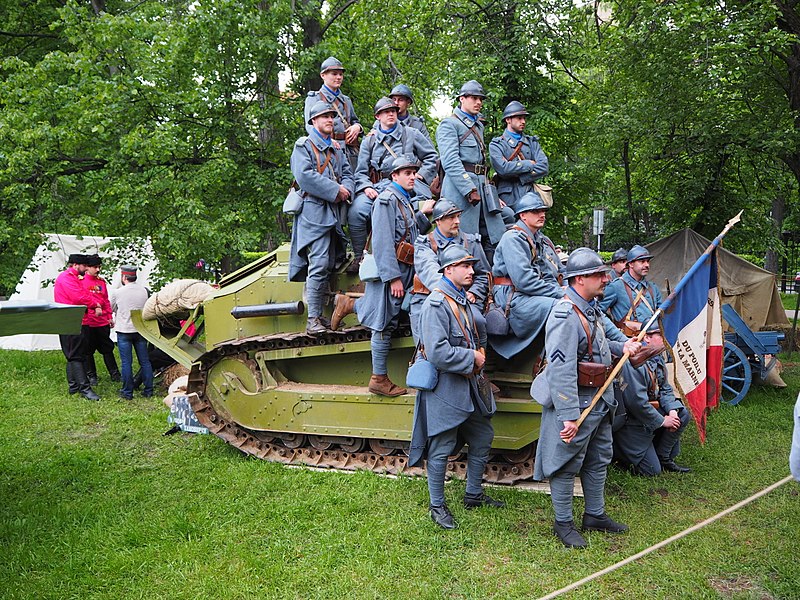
(750, 289)
(50, 259)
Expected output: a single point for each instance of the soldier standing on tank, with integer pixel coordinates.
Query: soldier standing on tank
(401, 95)
(526, 274)
(631, 299)
(464, 160)
(395, 226)
(97, 329)
(346, 126)
(319, 244)
(619, 261)
(459, 408)
(649, 440)
(68, 290)
(428, 250)
(385, 142)
(517, 158)
(578, 332)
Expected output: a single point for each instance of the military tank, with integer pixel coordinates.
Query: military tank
(263, 385)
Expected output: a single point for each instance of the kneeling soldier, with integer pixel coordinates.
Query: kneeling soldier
(578, 336)
(461, 405)
(649, 440)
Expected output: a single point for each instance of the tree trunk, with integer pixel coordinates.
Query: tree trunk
(778, 213)
(626, 162)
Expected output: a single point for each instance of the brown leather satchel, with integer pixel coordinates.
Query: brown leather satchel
(405, 252)
(592, 374)
(629, 327)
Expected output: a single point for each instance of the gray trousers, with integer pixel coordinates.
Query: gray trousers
(320, 264)
(666, 446)
(477, 431)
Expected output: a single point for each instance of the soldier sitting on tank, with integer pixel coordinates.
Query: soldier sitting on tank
(518, 159)
(649, 440)
(631, 299)
(429, 248)
(395, 225)
(318, 240)
(346, 126)
(386, 141)
(527, 276)
(619, 260)
(401, 95)
(460, 407)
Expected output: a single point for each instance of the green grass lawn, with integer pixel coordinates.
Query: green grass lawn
(789, 300)
(96, 503)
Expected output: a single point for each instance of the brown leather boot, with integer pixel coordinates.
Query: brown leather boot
(343, 305)
(383, 386)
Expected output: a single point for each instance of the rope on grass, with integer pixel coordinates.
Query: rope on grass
(663, 543)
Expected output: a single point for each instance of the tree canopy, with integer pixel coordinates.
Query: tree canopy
(175, 119)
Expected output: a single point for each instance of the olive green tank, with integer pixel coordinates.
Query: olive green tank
(265, 386)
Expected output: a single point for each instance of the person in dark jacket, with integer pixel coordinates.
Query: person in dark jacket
(97, 329)
(460, 406)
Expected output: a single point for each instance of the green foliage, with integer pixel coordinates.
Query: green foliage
(97, 503)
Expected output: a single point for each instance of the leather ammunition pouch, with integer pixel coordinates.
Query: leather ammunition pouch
(628, 327)
(405, 252)
(592, 374)
(419, 287)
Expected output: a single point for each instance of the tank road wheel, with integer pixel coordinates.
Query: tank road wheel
(380, 448)
(736, 374)
(517, 457)
(293, 440)
(352, 444)
(320, 443)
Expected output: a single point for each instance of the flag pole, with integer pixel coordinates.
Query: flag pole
(658, 312)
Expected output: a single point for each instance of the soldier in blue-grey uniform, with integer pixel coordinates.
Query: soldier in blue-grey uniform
(401, 95)
(428, 250)
(578, 332)
(396, 224)
(323, 174)
(631, 299)
(649, 440)
(380, 147)
(619, 261)
(527, 272)
(518, 159)
(461, 405)
(464, 159)
(346, 126)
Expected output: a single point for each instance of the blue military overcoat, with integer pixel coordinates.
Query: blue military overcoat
(394, 219)
(536, 288)
(457, 182)
(516, 177)
(618, 302)
(345, 114)
(556, 387)
(455, 396)
(320, 213)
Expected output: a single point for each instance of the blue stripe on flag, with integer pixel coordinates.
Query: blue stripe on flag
(691, 299)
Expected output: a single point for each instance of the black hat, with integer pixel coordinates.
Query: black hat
(77, 259)
(93, 260)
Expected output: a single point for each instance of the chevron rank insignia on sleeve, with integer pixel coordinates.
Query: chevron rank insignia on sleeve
(558, 355)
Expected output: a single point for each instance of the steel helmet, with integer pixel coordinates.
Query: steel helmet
(330, 64)
(638, 253)
(619, 254)
(320, 108)
(384, 104)
(454, 254)
(402, 90)
(444, 208)
(585, 261)
(472, 88)
(530, 201)
(404, 161)
(515, 109)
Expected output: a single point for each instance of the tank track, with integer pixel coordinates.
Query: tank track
(294, 449)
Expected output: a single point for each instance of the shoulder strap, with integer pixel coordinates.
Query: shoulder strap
(456, 312)
(517, 153)
(321, 167)
(585, 323)
(405, 219)
(530, 241)
(434, 244)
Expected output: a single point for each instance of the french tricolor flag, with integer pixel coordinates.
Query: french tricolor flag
(692, 325)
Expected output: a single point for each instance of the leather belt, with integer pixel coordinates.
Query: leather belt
(477, 169)
(502, 280)
(338, 136)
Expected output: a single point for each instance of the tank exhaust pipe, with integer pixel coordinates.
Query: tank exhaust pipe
(269, 310)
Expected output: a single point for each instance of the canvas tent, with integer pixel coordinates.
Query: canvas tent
(751, 290)
(50, 259)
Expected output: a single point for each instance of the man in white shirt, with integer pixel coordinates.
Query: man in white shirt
(131, 296)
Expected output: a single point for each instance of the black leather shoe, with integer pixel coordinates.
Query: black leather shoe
(569, 536)
(442, 517)
(673, 467)
(482, 500)
(602, 523)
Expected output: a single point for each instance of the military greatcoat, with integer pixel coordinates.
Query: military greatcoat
(534, 272)
(426, 266)
(516, 177)
(556, 387)
(618, 300)
(320, 214)
(345, 117)
(456, 395)
(459, 146)
(394, 219)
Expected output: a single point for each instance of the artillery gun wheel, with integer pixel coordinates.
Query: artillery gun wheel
(737, 374)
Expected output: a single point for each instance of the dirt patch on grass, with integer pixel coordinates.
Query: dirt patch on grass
(730, 587)
(90, 431)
